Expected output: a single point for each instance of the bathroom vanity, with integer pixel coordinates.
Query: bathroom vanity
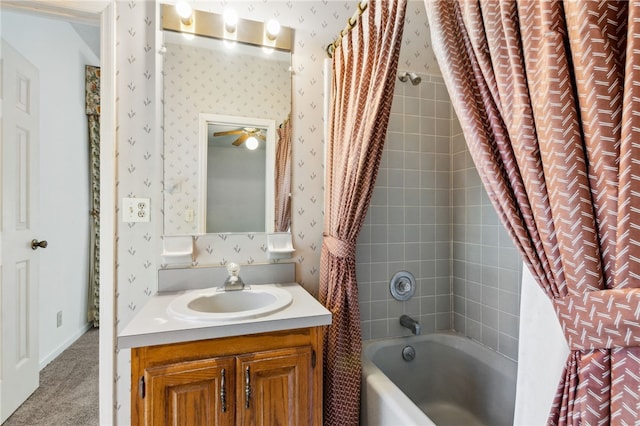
(251, 370)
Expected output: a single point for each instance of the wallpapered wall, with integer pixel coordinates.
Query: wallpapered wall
(140, 146)
(197, 79)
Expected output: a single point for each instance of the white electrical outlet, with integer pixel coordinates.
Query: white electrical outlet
(59, 319)
(135, 209)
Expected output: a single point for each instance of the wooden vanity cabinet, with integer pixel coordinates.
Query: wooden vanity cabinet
(261, 379)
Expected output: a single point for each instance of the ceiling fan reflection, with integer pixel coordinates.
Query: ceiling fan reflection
(245, 135)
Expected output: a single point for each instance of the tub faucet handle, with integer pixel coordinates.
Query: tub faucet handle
(410, 323)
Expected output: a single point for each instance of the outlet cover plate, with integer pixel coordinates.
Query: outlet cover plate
(135, 209)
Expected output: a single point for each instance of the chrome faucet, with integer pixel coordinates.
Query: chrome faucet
(410, 323)
(233, 281)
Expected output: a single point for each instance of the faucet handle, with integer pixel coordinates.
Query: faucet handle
(233, 269)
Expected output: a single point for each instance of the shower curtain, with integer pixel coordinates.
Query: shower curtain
(547, 97)
(364, 68)
(283, 178)
(92, 100)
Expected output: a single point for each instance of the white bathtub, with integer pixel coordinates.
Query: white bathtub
(453, 380)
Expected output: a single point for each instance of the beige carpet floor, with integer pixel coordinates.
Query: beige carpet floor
(68, 392)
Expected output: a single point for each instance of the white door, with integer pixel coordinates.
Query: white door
(19, 225)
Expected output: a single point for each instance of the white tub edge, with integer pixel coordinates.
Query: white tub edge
(384, 412)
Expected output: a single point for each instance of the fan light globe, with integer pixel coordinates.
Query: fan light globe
(252, 143)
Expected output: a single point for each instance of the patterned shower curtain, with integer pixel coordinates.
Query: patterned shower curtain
(92, 99)
(364, 69)
(283, 178)
(547, 95)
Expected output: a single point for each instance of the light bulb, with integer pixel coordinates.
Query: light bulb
(184, 9)
(230, 20)
(252, 143)
(273, 29)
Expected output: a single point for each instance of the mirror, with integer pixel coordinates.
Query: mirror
(237, 173)
(246, 85)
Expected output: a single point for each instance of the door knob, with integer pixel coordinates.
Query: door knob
(35, 244)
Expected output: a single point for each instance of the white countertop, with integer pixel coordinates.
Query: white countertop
(154, 326)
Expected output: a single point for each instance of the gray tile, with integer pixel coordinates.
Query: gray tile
(490, 298)
(411, 251)
(396, 252)
(412, 142)
(365, 329)
(379, 234)
(412, 196)
(428, 323)
(379, 329)
(459, 322)
(396, 123)
(379, 310)
(395, 308)
(490, 337)
(474, 291)
(428, 108)
(412, 106)
(397, 105)
(365, 311)
(508, 346)
(509, 325)
(427, 287)
(412, 124)
(443, 321)
(509, 302)
(379, 272)
(443, 304)
(363, 254)
(396, 234)
(490, 317)
(379, 291)
(459, 305)
(412, 216)
(443, 110)
(394, 159)
(474, 310)
(474, 329)
(427, 305)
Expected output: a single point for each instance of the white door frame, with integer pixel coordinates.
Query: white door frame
(103, 11)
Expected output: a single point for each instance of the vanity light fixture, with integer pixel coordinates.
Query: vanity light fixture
(206, 24)
(251, 142)
(273, 29)
(185, 12)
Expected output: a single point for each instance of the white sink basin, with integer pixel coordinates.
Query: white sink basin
(218, 305)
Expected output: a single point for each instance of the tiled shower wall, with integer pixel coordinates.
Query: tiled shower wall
(408, 226)
(486, 268)
(431, 216)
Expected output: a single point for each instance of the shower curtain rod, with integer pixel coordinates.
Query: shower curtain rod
(362, 6)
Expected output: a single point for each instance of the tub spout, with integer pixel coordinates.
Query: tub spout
(410, 323)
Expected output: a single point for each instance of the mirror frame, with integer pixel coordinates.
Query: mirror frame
(204, 119)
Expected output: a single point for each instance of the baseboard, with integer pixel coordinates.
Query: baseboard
(54, 354)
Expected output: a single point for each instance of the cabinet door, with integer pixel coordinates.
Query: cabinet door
(275, 387)
(191, 393)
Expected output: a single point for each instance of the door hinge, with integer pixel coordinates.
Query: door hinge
(141, 387)
(313, 359)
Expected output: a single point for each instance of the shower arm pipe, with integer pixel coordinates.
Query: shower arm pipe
(351, 23)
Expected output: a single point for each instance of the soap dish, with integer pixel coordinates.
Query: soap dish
(280, 245)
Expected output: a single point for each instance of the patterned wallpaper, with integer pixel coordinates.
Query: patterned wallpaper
(140, 146)
(198, 79)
